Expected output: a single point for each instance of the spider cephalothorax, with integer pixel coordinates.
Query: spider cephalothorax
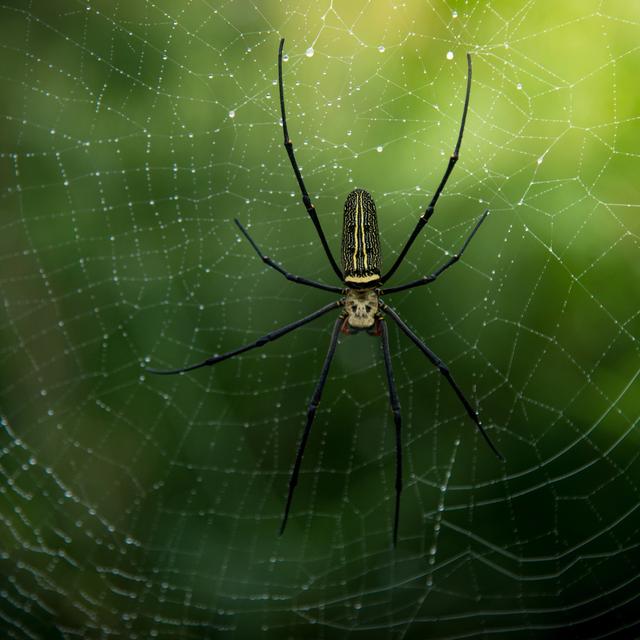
(361, 305)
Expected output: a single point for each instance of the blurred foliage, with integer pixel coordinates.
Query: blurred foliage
(135, 506)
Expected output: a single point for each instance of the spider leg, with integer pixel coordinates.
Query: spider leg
(311, 414)
(269, 337)
(444, 370)
(289, 276)
(397, 418)
(451, 261)
(424, 218)
(288, 145)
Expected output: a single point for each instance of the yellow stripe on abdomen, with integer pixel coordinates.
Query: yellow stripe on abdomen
(364, 244)
(355, 231)
(362, 279)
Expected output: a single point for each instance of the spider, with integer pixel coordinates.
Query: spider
(361, 304)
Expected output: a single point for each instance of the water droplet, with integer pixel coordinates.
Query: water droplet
(285, 57)
(309, 52)
(454, 14)
(519, 86)
(232, 114)
(381, 48)
(379, 148)
(449, 55)
(540, 159)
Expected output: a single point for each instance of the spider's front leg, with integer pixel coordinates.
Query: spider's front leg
(274, 265)
(424, 218)
(450, 262)
(306, 200)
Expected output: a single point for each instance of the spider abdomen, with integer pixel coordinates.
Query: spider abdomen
(360, 240)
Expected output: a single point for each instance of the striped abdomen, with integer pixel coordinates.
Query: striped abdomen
(360, 240)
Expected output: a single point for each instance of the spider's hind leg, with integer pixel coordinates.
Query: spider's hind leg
(444, 370)
(311, 414)
(397, 418)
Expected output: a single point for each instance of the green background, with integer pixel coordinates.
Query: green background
(137, 506)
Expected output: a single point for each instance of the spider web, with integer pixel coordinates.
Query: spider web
(138, 506)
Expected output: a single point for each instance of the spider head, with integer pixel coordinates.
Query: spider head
(361, 307)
